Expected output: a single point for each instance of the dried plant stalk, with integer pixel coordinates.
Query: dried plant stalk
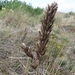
(44, 34)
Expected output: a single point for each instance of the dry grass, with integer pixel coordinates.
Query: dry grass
(44, 34)
(59, 58)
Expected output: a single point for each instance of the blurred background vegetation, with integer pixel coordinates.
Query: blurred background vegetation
(15, 4)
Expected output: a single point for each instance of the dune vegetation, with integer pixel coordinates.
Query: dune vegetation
(47, 38)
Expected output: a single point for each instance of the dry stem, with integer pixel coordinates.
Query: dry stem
(44, 35)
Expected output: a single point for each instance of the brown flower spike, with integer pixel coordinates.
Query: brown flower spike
(44, 34)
